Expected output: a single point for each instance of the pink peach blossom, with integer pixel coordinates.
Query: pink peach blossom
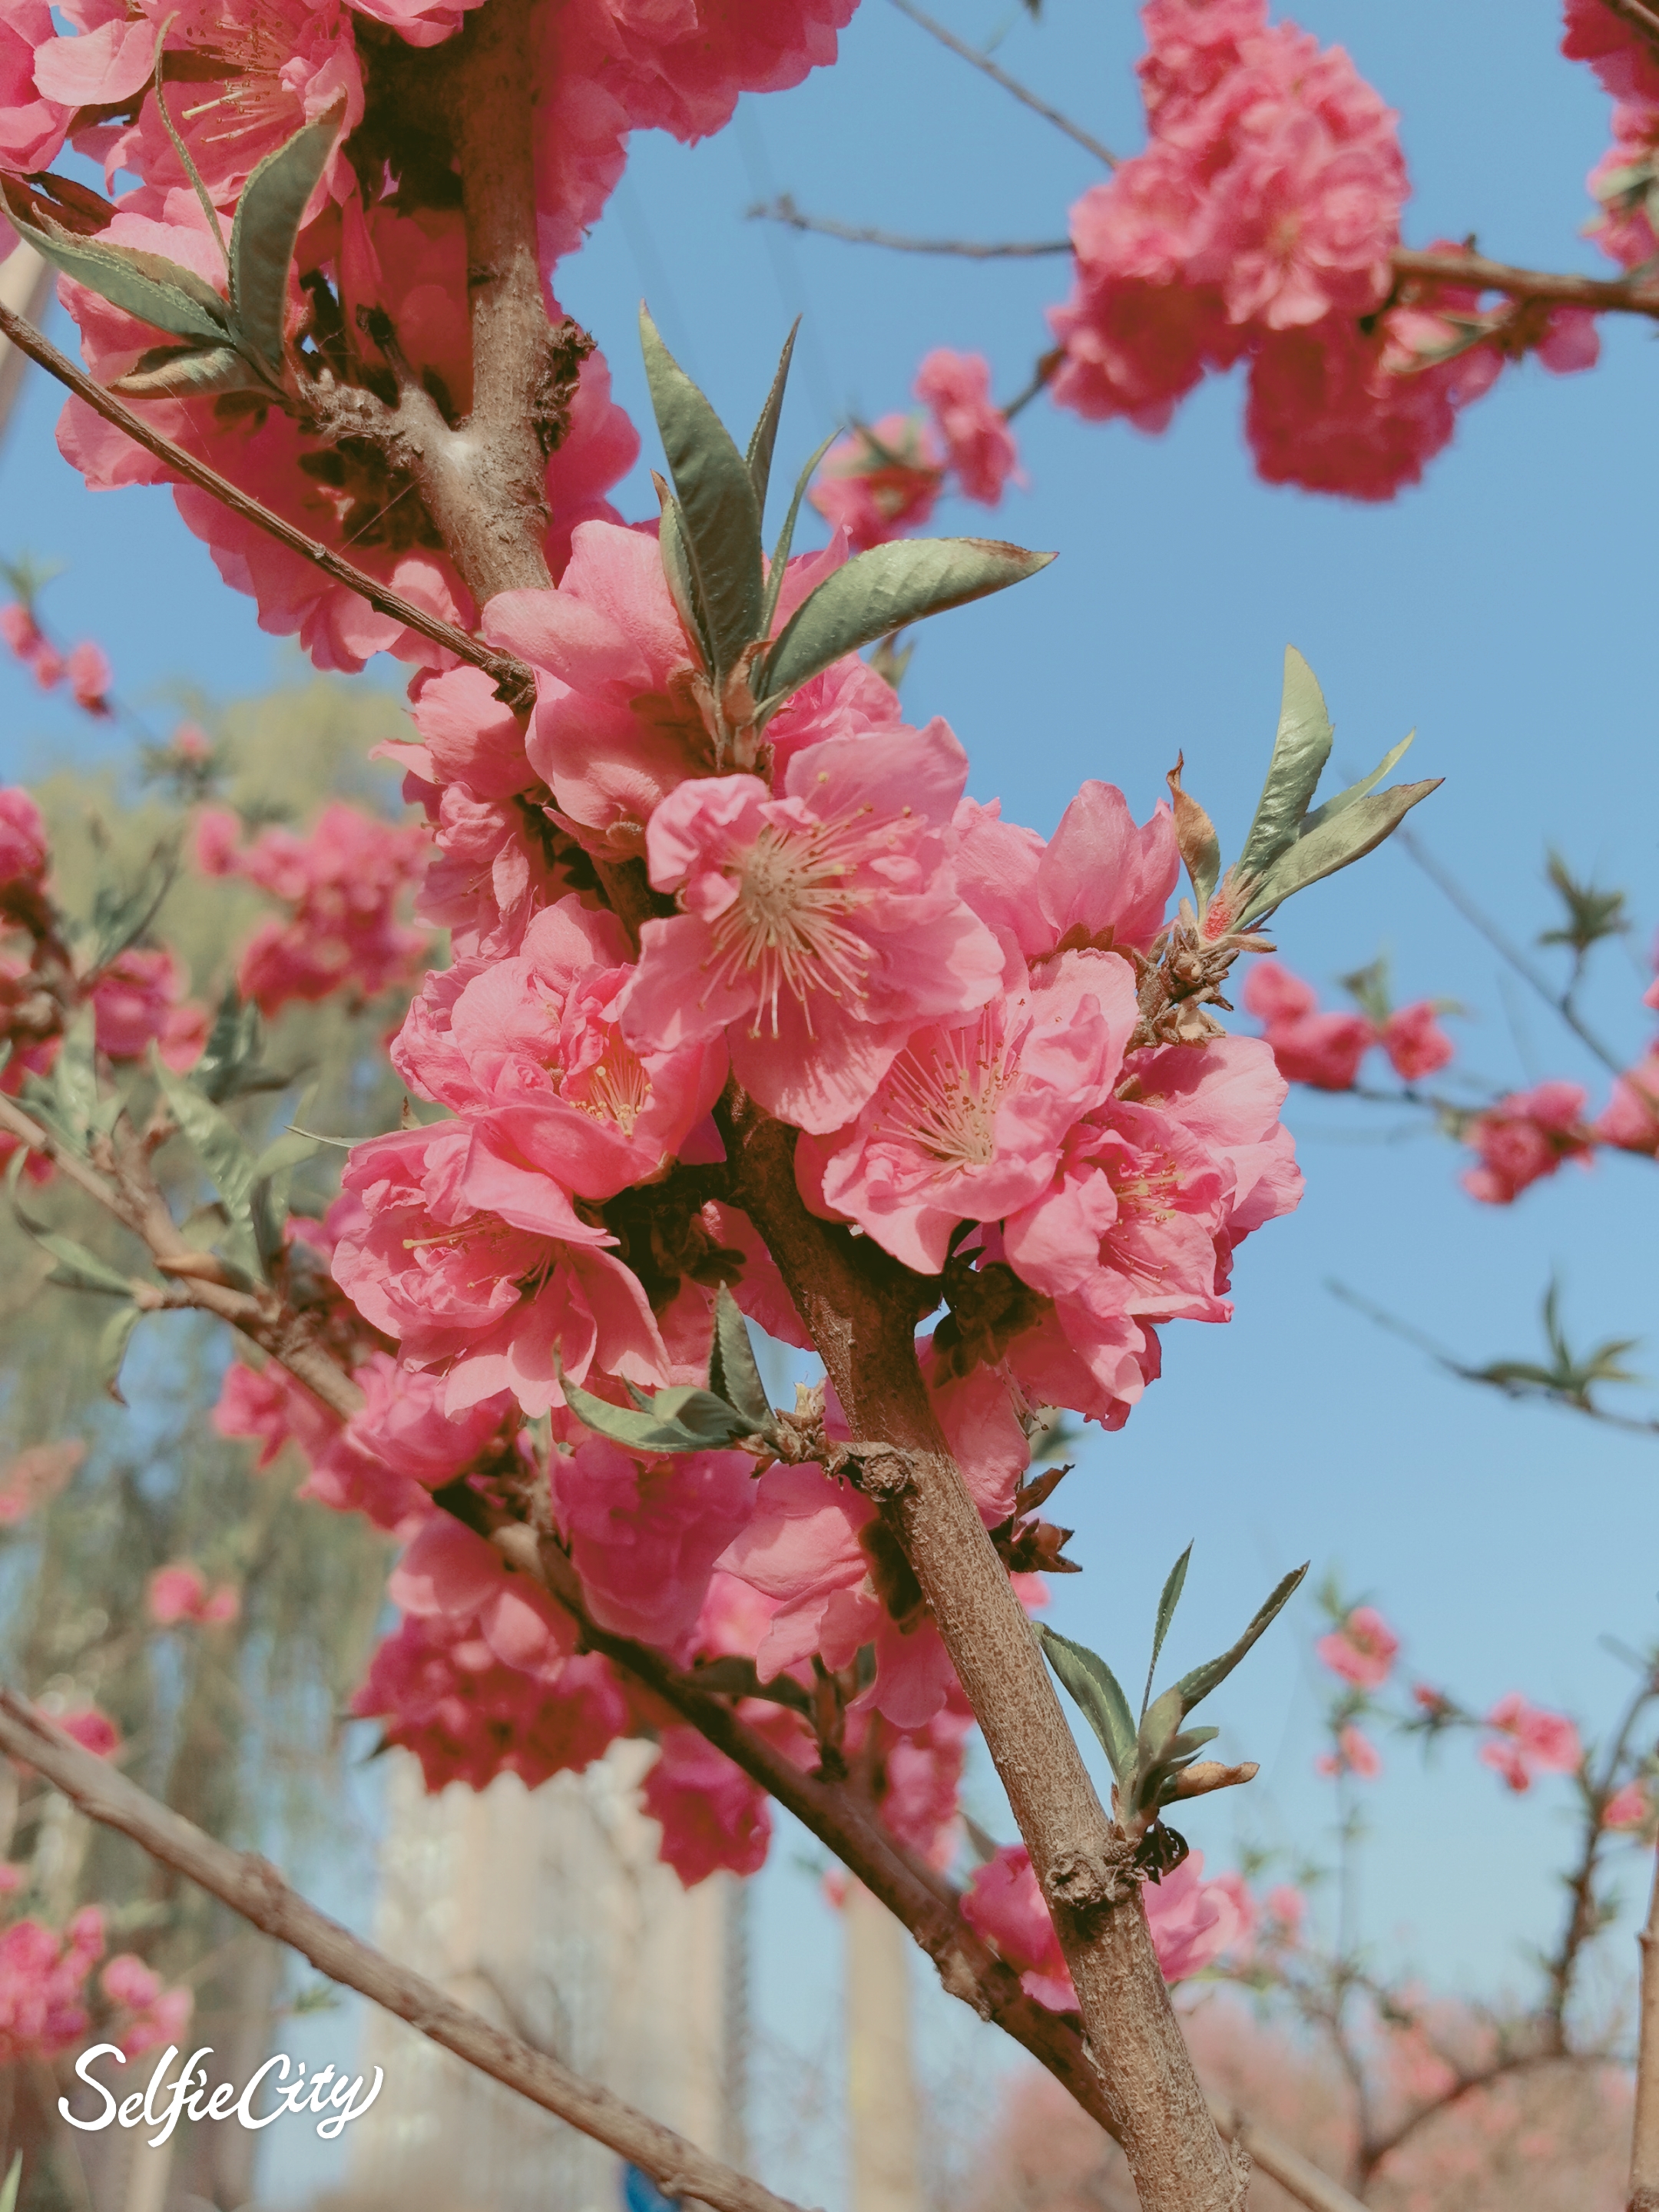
(881, 481)
(1530, 1740)
(1524, 1137)
(712, 1814)
(956, 388)
(1355, 1753)
(1362, 1649)
(820, 926)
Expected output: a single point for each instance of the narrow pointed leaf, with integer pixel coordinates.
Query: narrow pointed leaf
(1166, 1606)
(1157, 1733)
(1202, 1680)
(78, 1269)
(676, 574)
(234, 1045)
(75, 1077)
(1300, 752)
(13, 2179)
(188, 373)
(215, 1139)
(1344, 800)
(265, 233)
(288, 1151)
(720, 518)
(112, 1342)
(677, 1420)
(881, 591)
(157, 291)
(733, 1373)
(1097, 1692)
(775, 575)
(205, 198)
(1347, 836)
(765, 436)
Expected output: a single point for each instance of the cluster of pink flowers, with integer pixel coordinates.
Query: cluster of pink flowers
(1259, 223)
(84, 666)
(940, 1003)
(885, 479)
(380, 232)
(44, 1973)
(1528, 1742)
(1325, 1049)
(343, 883)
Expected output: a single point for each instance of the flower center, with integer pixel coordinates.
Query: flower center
(948, 1102)
(786, 926)
(615, 1088)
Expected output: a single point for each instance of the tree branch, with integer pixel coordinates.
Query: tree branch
(1609, 295)
(921, 1899)
(1637, 14)
(862, 1310)
(252, 1888)
(517, 685)
(988, 68)
(784, 210)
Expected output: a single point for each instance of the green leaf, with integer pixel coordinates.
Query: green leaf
(719, 515)
(1300, 752)
(765, 435)
(8, 2194)
(78, 1269)
(677, 1420)
(1192, 1688)
(234, 1045)
(188, 373)
(775, 574)
(1344, 800)
(290, 1150)
(1166, 1606)
(265, 233)
(733, 1374)
(157, 291)
(881, 591)
(75, 1077)
(1340, 839)
(677, 573)
(215, 1139)
(113, 1340)
(1097, 1692)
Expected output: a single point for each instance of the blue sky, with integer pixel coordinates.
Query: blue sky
(1499, 609)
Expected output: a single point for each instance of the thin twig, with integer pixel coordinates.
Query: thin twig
(1645, 2146)
(518, 684)
(1639, 15)
(1511, 1386)
(784, 210)
(251, 1887)
(1507, 949)
(1026, 98)
(1473, 271)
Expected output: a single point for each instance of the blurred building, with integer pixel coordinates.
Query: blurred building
(549, 1912)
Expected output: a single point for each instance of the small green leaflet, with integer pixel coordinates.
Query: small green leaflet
(265, 232)
(780, 562)
(1197, 1686)
(719, 517)
(733, 1372)
(1174, 1584)
(1097, 1690)
(1300, 752)
(112, 1342)
(215, 1139)
(764, 435)
(1347, 835)
(882, 591)
(682, 1420)
(8, 2194)
(157, 291)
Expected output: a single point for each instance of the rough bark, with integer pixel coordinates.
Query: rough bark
(862, 1314)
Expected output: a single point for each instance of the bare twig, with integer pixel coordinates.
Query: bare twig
(1511, 1386)
(1021, 92)
(252, 1888)
(518, 684)
(784, 210)
(1639, 15)
(1504, 946)
(1474, 272)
